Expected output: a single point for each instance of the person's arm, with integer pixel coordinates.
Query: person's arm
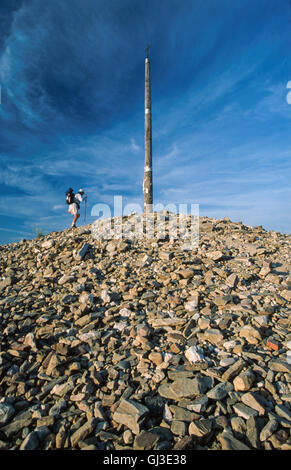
(79, 197)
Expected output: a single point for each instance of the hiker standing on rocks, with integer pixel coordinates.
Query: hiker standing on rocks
(74, 201)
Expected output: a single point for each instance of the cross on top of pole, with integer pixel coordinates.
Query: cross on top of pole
(147, 51)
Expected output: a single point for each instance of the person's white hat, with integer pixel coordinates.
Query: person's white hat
(81, 191)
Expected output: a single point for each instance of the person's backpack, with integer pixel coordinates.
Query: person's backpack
(70, 196)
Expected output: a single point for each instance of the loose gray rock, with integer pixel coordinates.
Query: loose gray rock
(147, 336)
(178, 428)
(81, 254)
(220, 391)
(130, 413)
(229, 442)
(31, 442)
(84, 431)
(6, 412)
(269, 429)
(244, 411)
(201, 428)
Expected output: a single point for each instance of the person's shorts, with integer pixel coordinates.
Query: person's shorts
(73, 209)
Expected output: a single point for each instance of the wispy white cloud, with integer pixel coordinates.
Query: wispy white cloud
(9, 230)
(24, 177)
(273, 104)
(134, 147)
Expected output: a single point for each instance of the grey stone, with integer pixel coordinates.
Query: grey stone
(229, 442)
(255, 401)
(31, 442)
(5, 283)
(213, 335)
(279, 438)
(48, 244)
(283, 411)
(182, 414)
(165, 390)
(226, 362)
(185, 443)
(244, 411)
(279, 365)
(145, 440)
(238, 426)
(199, 404)
(164, 434)
(194, 354)
(19, 422)
(68, 299)
(84, 431)
(42, 432)
(82, 253)
(253, 433)
(6, 412)
(128, 437)
(201, 428)
(64, 279)
(166, 255)
(232, 280)
(178, 428)
(233, 370)
(184, 387)
(192, 305)
(220, 391)
(130, 413)
(244, 381)
(268, 429)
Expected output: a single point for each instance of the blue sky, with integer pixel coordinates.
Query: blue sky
(72, 108)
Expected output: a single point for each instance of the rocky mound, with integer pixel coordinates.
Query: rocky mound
(140, 344)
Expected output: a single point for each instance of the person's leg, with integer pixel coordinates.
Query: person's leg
(74, 212)
(75, 219)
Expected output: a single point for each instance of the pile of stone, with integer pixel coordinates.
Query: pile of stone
(139, 343)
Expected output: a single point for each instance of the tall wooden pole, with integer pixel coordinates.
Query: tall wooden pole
(148, 183)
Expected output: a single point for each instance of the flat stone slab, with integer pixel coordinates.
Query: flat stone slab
(162, 322)
(130, 414)
(189, 387)
(229, 442)
(244, 411)
(6, 413)
(220, 391)
(279, 365)
(166, 391)
(253, 401)
(200, 428)
(145, 440)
